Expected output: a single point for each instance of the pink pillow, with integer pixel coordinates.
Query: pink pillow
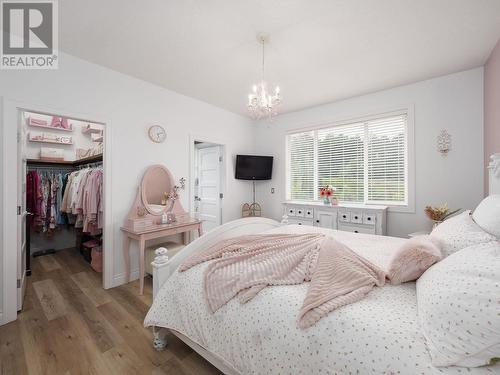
(412, 259)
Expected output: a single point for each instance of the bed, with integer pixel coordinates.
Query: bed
(377, 335)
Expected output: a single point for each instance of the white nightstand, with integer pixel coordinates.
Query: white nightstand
(419, 233)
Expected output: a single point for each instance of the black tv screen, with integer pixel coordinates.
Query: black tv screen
(252, 167)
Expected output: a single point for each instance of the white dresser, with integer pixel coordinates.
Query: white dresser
(356, 218)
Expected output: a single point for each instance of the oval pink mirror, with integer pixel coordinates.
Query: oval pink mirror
(157, 183)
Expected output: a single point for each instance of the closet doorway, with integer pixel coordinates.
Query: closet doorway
(207, 168)
(40, 227)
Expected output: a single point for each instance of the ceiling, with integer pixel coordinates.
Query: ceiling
(319, 51)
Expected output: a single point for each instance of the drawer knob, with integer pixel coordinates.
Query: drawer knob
(344, 216)
(356, 217)
(369, 218)
(317, 221)
(356, 231)
(300, 223)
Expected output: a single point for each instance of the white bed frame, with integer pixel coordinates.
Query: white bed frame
(164, 267)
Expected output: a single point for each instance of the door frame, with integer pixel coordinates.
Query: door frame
(8, 250)
(223, 170)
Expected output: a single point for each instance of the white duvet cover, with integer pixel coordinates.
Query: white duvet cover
(377, 335)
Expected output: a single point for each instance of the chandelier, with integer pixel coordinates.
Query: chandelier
(262, 103)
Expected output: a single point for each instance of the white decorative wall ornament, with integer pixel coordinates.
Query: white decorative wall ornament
(444, 142)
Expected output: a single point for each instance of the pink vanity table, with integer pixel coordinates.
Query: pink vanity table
(183, 225)
(143, 222)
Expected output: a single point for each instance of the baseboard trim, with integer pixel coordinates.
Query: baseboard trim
(120, 278)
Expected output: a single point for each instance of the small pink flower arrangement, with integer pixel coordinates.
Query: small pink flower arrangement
(326, 192)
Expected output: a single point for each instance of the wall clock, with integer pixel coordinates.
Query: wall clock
(157, 134)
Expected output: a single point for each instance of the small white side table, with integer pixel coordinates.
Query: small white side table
(419, 233)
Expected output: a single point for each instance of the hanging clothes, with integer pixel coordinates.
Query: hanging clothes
(83, 198)
(57, 199)
(33, 197)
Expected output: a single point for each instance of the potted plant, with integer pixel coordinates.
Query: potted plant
(438, 214)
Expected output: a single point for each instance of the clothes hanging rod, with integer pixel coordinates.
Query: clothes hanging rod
(52, 168)
(90, 165)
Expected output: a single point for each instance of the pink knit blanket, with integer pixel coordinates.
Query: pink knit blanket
(245, 265)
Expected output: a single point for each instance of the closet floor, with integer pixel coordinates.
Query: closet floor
(70, 325)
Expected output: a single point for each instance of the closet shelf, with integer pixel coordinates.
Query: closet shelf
(50, 127)
(90, 159)
(50, 141)
(90, 130)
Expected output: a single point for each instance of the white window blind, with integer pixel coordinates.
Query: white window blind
(301, 166)
(366, 161)
(341, 160)
(387, 160)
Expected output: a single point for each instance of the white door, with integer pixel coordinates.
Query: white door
(21, 211)
(209, 196)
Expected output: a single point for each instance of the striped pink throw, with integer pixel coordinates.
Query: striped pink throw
(245, 265)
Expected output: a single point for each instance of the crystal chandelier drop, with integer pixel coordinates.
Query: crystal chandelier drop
(262, 103)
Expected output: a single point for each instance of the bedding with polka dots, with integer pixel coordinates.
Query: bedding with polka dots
(459, 232)
(459, 307)
(377, 335)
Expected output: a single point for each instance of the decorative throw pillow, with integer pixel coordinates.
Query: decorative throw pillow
(459, 307)
(487, 215)
(460, 232)
(412, 259)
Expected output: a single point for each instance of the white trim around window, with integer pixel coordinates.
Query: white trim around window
(311, 165)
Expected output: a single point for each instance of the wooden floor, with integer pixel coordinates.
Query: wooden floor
(70, 325)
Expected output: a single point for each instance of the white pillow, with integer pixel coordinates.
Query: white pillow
(487, 215)
(459, 232)
(459, 307)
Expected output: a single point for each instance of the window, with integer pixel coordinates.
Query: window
(366, 161)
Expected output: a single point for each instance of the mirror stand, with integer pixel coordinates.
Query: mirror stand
(140, 217)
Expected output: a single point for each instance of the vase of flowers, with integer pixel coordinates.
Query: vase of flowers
(172, 197)
(438, 214)
(326, 193)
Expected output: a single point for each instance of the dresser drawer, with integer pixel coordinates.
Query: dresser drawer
(300, 211)
(356, 229)
(369, 219)
(356, 217)
(299, 221)
(345, 216)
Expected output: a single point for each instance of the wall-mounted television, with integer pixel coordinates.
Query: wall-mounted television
(253, 167)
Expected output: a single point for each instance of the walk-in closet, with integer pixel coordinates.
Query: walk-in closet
(63, 194)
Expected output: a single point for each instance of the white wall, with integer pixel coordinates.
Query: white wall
(132, 105)
(453, 102)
